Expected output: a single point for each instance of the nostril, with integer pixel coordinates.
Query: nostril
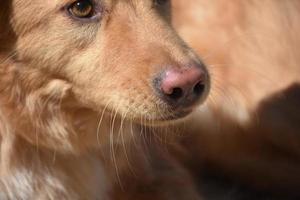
(177, 93)
(181, 87)
(199, 88)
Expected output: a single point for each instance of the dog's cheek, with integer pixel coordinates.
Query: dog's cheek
(53, 44)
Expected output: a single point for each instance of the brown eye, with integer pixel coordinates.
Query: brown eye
(82, 9)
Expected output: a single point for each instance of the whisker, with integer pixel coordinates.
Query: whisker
(121, 132)
(112, 149)
(100, 123)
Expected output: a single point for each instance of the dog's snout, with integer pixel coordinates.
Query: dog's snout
(182, 87)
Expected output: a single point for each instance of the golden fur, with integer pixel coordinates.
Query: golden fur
(70, 90)
(72, 93)
(250, 128)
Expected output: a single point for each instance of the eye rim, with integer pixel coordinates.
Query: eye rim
(161, 2)
(95, 14)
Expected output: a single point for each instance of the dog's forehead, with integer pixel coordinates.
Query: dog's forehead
(109, 3)
(44, 7)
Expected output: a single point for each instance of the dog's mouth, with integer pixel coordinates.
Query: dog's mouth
(170, 118)
(155, 120)
(178, 114)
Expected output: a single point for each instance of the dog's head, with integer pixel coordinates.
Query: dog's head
(67, 63)
(122, 55)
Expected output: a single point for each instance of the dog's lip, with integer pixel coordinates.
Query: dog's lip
(180, 114)
(171, 118)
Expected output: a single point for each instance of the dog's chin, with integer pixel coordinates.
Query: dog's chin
(168, 119)
(153, 119)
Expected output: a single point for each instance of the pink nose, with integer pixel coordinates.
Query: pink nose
(182, 86)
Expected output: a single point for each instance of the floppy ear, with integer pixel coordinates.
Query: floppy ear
(7, 36)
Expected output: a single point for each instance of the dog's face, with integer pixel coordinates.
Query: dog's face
(121, 55)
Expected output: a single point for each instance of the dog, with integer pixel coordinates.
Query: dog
(248, 130)
(78, 75)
